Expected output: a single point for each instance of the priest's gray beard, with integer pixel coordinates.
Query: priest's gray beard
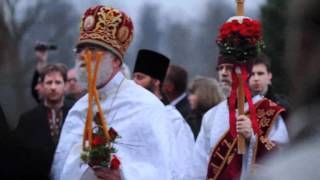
(104, 72)
(226, 89)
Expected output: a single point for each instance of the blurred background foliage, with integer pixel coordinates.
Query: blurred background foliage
(274, 21)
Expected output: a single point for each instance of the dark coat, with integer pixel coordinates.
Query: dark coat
(4, 128)
(35, 142)
(34, 82)
(194, 119)
(183, 107)
(191, 118)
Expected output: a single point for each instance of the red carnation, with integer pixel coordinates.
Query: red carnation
(98, 140)
(115, 163)
(244, 32)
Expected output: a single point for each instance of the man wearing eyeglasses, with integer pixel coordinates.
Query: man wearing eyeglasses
(139, 118)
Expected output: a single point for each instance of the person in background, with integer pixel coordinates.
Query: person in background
(36, 88)
(149, 72)
(39, 129)
(12, 153)
(174, 88)
(41, 53)
(203, 94)
(260, 82)
(74, 90)
(300, 160)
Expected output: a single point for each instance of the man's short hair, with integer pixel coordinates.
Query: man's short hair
(58, 67)
(262, 59)
(178, 76)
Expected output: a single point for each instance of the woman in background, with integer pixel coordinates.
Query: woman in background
(203, 93)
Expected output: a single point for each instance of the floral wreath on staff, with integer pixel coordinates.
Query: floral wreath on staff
(240, 39)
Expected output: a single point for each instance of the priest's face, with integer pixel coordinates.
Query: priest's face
(225, 78)
(144, 80)
(105, 70)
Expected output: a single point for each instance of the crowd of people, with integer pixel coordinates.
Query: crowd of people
(169, 126)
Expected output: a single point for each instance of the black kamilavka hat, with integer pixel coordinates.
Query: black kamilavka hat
(152, 63)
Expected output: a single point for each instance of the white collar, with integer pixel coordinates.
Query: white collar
(178, 99)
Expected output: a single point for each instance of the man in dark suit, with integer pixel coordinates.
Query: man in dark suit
(39, 129)
(260, 83)
(174, 88)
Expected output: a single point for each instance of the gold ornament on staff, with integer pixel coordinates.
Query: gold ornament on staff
(240, 98)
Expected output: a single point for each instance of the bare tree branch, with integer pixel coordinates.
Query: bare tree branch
(29, 20)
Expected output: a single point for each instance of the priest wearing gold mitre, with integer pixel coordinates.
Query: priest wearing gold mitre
(143, 145)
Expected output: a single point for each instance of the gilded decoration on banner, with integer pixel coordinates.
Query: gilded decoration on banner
(220, 156)
(260, 113)
(267, 143)
(270, 112)
(264, 122)
(227, 143)
(215, 168)
(230, 158)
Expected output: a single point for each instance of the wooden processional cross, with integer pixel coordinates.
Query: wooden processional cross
(240, 98)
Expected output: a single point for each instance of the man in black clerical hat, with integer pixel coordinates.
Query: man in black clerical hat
(150, 70)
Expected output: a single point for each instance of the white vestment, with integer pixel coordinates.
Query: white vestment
(184, 144)
(214, 125)
(146, 145)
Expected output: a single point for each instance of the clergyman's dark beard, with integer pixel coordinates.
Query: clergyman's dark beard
(150, 87)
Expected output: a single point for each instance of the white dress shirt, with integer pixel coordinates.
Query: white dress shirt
(178, 99)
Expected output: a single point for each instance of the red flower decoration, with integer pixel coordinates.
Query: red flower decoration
(115, 163)
(99, 140)
(240, 41)
(102, 151)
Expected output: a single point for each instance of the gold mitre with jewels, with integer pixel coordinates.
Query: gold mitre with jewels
(106, 27)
